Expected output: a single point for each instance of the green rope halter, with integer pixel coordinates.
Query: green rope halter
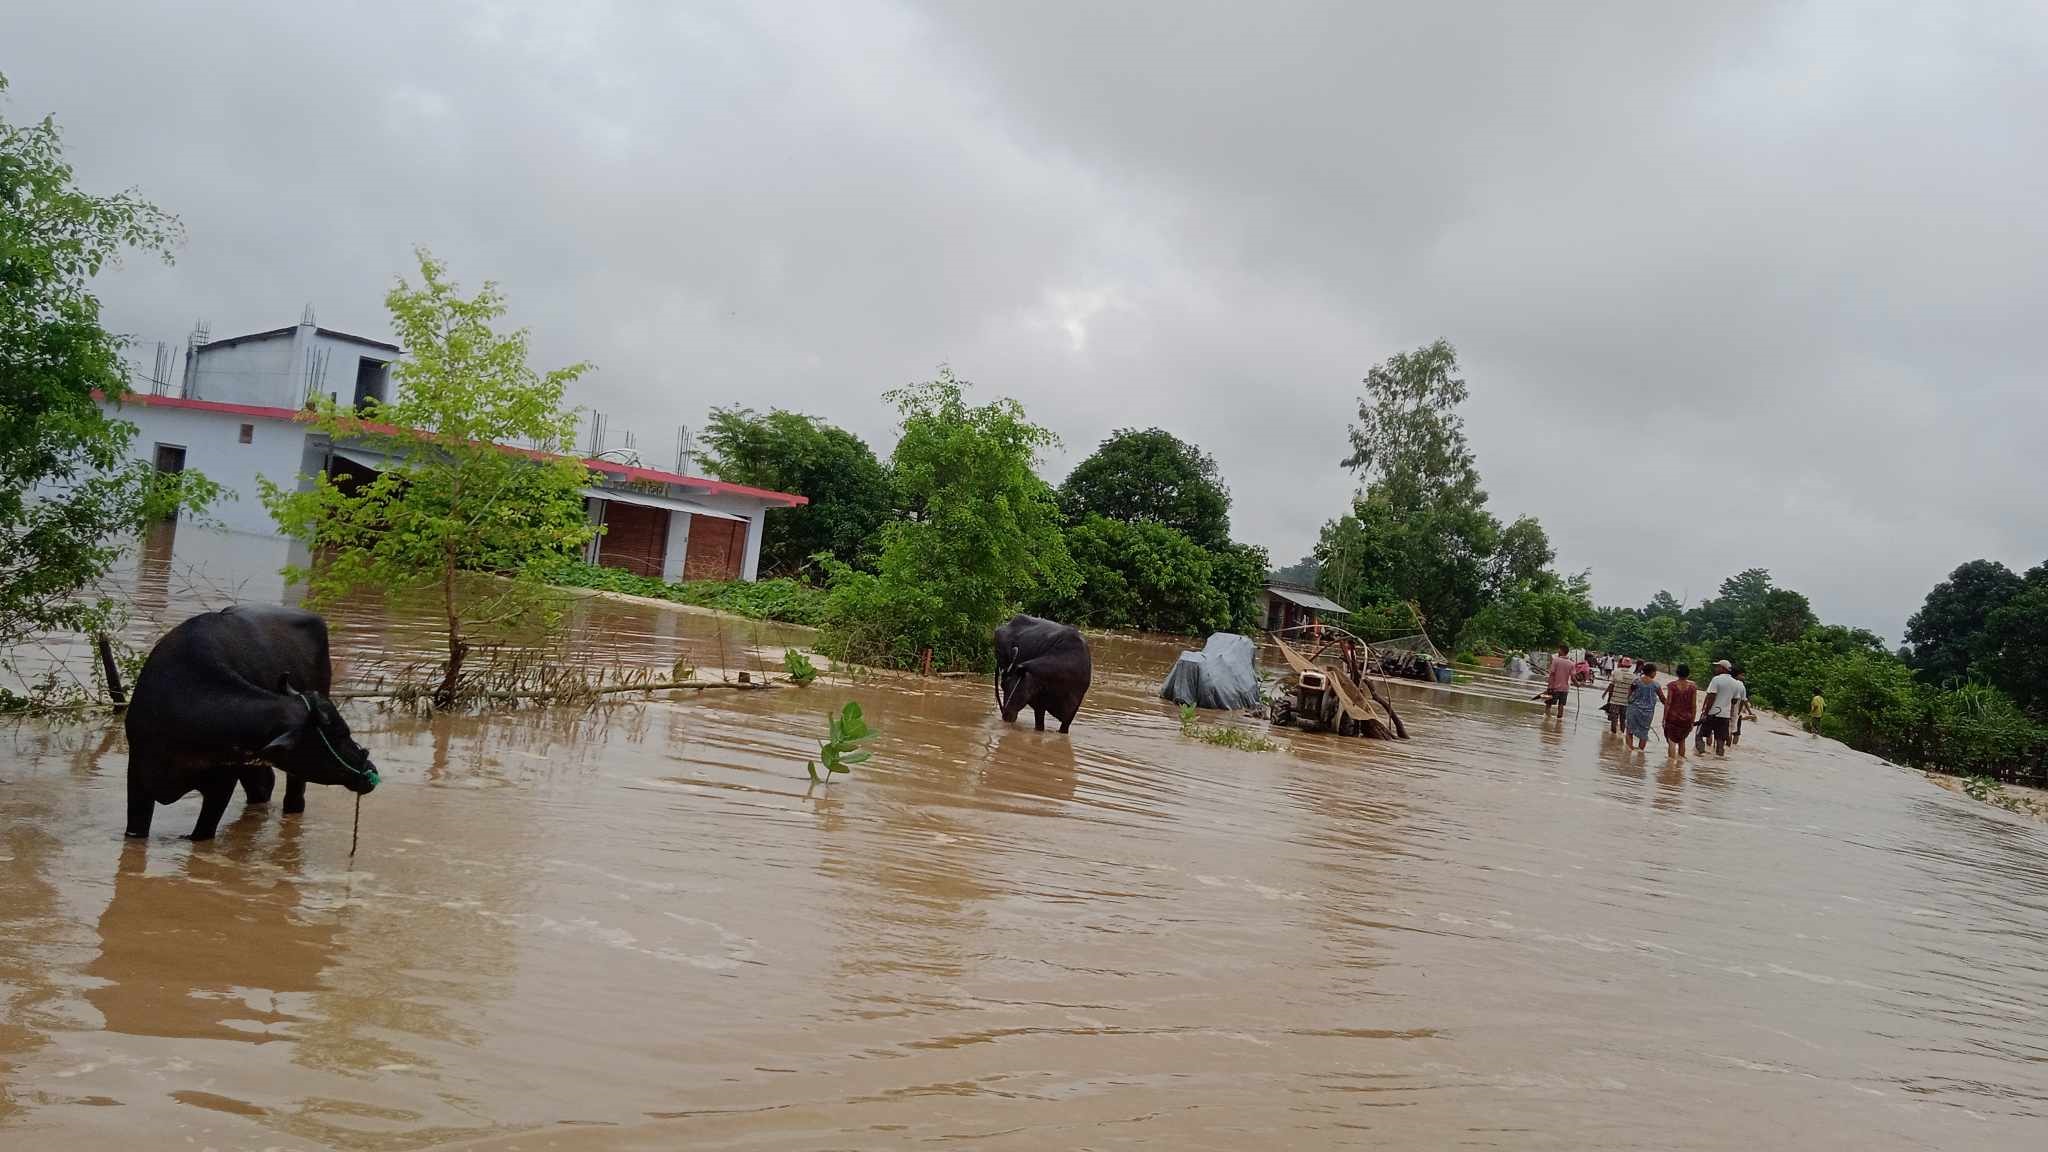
(369, 774)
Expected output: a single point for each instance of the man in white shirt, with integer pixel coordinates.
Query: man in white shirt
(1724, 695)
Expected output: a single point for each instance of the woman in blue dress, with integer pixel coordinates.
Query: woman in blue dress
(1643, 697)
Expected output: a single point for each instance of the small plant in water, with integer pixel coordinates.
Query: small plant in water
(842, 751)
(1222, 736)
(801, 670)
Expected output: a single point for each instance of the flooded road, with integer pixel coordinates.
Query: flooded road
(640, 928)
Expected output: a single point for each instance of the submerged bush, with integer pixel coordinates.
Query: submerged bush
(788, 601)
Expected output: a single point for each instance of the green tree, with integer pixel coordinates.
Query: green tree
(1539, 613)
(1663, 639)
(1409, 440)
(1147, 576)
(1433, 557)
(1139, 575)
(1151, 477)
(1947, 633)
(1421, 533)
(1521, 554)
(1239, 572)
(981, 535)
(451, 498)
(1663, 604)
(1720, 616)
(2014, 647)
(1780, 617)
(849, 492)
(70, 495)
(1303, 572)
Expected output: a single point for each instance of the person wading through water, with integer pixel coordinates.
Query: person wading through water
(1559, 687)
(1619, 682)
(1742, 707)
(1723, 697)
(1643, 697)
(1681, 708)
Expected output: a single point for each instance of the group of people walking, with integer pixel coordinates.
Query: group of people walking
(1691, 714)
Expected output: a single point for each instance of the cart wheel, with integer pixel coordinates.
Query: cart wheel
(1346, 726)
(1282, 712)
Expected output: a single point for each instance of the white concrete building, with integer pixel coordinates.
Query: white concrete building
(243, 417)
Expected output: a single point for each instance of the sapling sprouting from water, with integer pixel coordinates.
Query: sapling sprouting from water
(1221, 734)
(799, 667)
(842, 751)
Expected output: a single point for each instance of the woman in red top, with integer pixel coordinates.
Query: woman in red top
(1680, 702)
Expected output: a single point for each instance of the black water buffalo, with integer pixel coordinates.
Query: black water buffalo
(222, 698)
(1042, 665)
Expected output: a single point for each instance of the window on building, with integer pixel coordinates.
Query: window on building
(248, 435)
(372, 378)
(170, 458)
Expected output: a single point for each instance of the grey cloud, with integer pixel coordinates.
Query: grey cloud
(1799, 244)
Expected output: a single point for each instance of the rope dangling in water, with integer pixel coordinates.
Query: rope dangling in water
(355, 829)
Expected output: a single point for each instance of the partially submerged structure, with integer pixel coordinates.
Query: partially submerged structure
(1329, 685)
(242, 416)
(1294, 606)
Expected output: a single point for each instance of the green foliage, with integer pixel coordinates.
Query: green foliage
(981, 534)
(849, 490)
(785, 600)
(1302, 572)
(1947, 633)
(1150, 577)
(1663, 604)
(798, 667)
(1521, 558)
(1151, 477)
(1222, 735)
(1238, 571)
(1538, 613)
(2013, 652)
(452, 498)
(1741, 594)
(1419, 532)
(841, 750)
(1409, 441)
(1779, 617)
(70, 495)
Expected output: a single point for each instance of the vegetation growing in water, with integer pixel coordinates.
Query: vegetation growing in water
(1221, 735)
(451, 498)
(980, 534)
(841, 751)
(55, 354)
(798, 667)
(785, 600)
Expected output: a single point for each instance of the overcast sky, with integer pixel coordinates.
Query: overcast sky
(1733, 284)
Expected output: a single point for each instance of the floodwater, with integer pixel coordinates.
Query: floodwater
(640, 928)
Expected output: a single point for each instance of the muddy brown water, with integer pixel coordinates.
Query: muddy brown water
(640, 928)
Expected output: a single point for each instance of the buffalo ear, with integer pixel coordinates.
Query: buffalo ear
(284, 741)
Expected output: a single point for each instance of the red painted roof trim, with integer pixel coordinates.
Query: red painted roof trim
(609, 468)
